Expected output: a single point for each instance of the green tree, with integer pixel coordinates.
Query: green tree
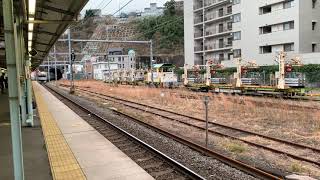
(167, 30)
(169, 8)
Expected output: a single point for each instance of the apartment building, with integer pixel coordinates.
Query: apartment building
(208, 30)
(252, 29)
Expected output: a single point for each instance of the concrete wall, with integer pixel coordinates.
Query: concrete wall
(307, 35)
(188, 32)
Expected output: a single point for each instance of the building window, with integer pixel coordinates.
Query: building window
(236, 2)
(314, 25)
(288, 25)
(288, 47)
(265, 49)
(229, 25)
(287, 4)
(220, 12)
(314, 3)
(229, 10)
(220, 28)
(221, 57)
(237, 53)
(314, 46)
(265, 30)
(237, 35)
(229, 42)
(265, 10)
(237, 18)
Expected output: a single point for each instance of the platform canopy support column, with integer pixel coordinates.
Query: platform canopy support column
(8, 20)
(20, 68)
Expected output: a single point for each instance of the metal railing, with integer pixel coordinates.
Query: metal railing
(199, 34)
(198, 20)
(216, 14)
(211, 2)
(213, 31)
(215, 46)
(198, 48)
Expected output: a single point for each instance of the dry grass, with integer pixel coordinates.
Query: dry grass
(282, 120)
(234, 147)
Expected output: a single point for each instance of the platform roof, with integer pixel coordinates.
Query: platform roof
(52, 18)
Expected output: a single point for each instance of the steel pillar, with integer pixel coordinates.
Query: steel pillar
(20, 68)
(29, 95)
(13, 89)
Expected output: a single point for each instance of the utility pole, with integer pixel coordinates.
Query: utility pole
(70, 62)
(151, 59)
(55, 64)
(48, 68)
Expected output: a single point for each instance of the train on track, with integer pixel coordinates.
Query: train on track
(44, 76)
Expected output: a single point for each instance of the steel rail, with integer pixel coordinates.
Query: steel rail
(259, 173)
(215, 132)
(212, 123)
(181, 168)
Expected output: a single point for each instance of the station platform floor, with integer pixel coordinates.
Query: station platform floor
(36, 164)
(74, 147)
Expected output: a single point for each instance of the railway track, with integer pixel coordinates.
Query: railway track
(256, 172)
(259, 103)
(307, 153)
(157, 164)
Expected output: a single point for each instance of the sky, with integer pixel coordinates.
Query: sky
(135, 5)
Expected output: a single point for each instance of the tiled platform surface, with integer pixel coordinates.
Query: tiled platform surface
(98, 158)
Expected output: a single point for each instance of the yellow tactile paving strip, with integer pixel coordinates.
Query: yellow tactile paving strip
(64, 165)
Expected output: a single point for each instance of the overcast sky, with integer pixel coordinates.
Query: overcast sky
(138, 5)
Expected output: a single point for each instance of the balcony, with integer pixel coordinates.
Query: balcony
(211, 32)
(209, 3)
(217, 15)
(198, 6)
(198, 20)
(198, 49)
(198, 35)
(218, 46)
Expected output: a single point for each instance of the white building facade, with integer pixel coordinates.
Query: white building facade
(252, 29)
(115, 62)
(153, 10)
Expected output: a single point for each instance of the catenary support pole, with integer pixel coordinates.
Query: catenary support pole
(151, 60)
(48, 59)
(55, 65)
(70, 61)
(7, 6)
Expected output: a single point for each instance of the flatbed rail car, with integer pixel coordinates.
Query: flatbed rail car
(250, 90)
(162, 75)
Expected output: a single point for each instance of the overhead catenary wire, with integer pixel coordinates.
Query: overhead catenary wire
(92, 14)
(122, 7)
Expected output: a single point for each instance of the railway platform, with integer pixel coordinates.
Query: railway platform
(75, 149)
